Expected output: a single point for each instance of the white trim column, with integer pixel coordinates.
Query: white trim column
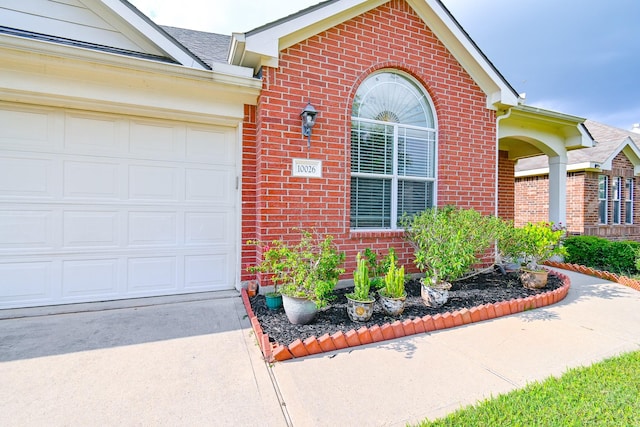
(558, 189)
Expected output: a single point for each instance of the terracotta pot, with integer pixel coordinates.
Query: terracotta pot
(435, 296)
(360, 311)
(534, 279)
(299, 311)
(392, 306)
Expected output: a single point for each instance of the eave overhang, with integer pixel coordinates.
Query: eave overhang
(261, 46)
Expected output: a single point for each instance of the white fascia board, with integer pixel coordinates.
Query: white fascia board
(150, 32)
(223, 72)
(589, 166)
(630, 150)
(269, 40)
(447, 30)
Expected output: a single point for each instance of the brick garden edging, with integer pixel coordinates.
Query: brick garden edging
(299, 348)
(623, 280)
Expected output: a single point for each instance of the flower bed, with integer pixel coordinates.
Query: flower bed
(471, 300)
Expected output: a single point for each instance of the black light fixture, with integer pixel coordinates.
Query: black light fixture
(308, 117)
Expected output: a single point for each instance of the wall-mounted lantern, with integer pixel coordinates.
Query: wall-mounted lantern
(308, 117)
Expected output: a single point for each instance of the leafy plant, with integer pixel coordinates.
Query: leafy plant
(308, 269)
(377, 269)
(393, 281)
(449, 241)
(361, 281)
(540, 241)
(509, 242)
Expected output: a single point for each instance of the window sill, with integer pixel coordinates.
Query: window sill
(375, 234)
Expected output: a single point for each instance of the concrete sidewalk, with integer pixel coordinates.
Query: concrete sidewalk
(430, 375)
(195, 362)
(174, 363)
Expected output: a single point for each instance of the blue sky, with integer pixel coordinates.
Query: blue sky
(579, 57)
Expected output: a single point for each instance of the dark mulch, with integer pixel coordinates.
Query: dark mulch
(482, 289)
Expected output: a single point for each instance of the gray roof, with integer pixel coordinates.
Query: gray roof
(209, 47)
(607, 139)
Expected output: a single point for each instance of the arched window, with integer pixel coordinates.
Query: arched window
(393, 151)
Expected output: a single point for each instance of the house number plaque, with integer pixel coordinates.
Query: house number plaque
(307, 168)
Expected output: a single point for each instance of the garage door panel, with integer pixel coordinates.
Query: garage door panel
(98, 206)
(27, 177)
(88, 278)
(25, 281)
(207, 271)
(151, 274)
(208, 228)
(26, 230)
(91, 180)
(153, 140)
(92, 134)
(22, 129)
(153, 183)
(91, 229)
(209, 185)
(211, 146)
(152, 228)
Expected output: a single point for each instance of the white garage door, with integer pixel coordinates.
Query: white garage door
(98, 207)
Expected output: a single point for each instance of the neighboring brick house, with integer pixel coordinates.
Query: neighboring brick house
(602, 184)
(137, 160)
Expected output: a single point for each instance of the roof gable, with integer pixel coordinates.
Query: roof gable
(261, 46)
(113, 26)
(608, 143)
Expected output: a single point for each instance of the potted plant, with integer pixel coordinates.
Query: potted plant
(360, 302)
(540, 241)
(447, 241)
(510, 248)
(304, 273)
(393, 294)
(378, 269)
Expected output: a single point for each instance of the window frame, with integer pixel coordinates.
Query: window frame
(617, 198)
(394, 176)
(603, 201)
(628, 201)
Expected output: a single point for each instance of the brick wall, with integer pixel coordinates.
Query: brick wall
(621, 167)
(531, 199)
(327, 69)
(506, 186)
(577, 202)
(531, 195)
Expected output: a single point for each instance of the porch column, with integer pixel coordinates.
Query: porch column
(558, 189)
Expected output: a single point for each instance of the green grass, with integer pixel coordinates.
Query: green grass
(604, 394)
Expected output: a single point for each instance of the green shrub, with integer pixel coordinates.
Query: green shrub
(603, 254)
(449, 241)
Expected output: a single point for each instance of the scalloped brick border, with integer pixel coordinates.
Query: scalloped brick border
(273, 352)
(623, 280)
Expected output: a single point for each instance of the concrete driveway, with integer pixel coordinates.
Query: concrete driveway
(196, 363)
(174, 363)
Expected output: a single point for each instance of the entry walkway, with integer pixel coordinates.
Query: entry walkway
(196, 363)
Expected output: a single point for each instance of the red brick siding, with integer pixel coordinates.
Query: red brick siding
(506, 186)
(621, 167)
(577, 202)
(327, 69)
(582, 202)
(531, 199)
